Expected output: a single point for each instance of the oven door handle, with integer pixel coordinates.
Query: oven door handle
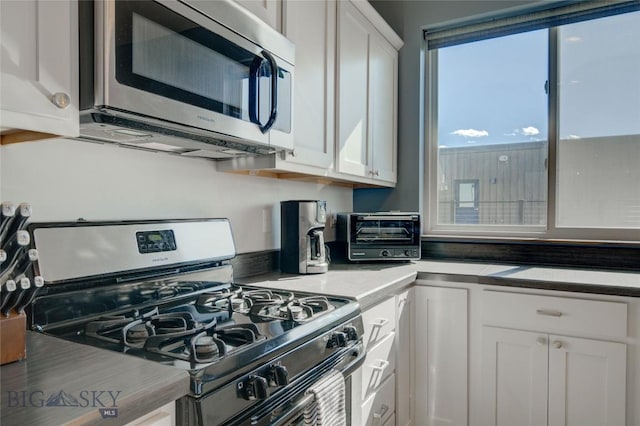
(293, 411)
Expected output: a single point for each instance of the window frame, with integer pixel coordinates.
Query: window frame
(548, 232)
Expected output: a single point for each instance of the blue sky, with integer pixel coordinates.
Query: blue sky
(492, 91)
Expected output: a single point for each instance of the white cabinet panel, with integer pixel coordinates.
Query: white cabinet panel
(267, 10)
(405, 358)
(311, 25)
(39, 66)
(353, 91)
(367, 98)
(515, 366)
(379, 364)
(559, 314)
(441, 356)
(586, 382)
(383, 89)
(380, 406)
(379, 322)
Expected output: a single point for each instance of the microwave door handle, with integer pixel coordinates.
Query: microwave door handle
(254, 90)
(274, 92)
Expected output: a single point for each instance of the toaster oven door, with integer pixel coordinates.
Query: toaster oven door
(385, 230)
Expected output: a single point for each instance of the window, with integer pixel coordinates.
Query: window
(537, 131)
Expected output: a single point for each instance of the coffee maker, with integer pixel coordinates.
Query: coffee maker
(302, 237)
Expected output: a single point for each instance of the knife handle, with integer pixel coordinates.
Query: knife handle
(38, 283)
(16, 296)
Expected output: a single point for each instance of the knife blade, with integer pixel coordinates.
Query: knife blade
(23, 265)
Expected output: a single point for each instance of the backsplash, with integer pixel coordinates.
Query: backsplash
(66, 180)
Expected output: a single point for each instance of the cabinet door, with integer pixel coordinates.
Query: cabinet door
(441, 356)
(383, 77)
(311, 25)
(405, 332)
(267, 10)
(38, 79)
(587, 384)
(514, 377)
(353, 91)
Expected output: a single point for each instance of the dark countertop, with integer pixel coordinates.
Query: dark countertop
(93, 377)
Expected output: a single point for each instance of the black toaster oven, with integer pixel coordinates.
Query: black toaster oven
(379, 235)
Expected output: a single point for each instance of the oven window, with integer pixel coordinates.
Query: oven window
(396, 232)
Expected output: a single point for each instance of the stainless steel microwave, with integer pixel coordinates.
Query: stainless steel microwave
(192, 77)
(379, 235)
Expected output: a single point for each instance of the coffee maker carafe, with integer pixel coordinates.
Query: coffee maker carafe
(302, 237)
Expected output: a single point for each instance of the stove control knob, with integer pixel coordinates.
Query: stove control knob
(338, 339)
(256, 388)
(279, 376)
(351, 332)
(385, 253)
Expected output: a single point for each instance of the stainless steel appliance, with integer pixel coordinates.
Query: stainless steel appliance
(379, 235)
(302, 248)
(195, 78)
(164, 291)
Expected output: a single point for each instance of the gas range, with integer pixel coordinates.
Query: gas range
(166, 294)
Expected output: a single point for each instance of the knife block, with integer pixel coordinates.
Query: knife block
(13, 333)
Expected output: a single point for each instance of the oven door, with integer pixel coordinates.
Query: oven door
(170, 62)
(379, 230)
(285, 406)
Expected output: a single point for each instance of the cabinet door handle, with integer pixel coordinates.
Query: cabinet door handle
(383, 364)
(380, 322)
(557, 344)
(383, 410)
(541, 341)
(549, 312)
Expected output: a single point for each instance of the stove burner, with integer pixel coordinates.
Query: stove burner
(205, 346)
(295, 313)
(137, 333)
(297, 310)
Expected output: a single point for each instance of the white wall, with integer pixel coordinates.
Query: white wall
(66, 179)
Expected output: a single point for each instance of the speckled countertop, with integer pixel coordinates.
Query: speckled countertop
(54, 365)
(66, 383)
(371, 282)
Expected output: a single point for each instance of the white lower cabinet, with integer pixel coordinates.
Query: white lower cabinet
(379, 407)
(441, 360)
(535, 376)
(495, 356)
(405, 358)
(374, 385)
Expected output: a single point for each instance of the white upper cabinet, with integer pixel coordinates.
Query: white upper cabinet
(311, 26)
(39, 68)
(366, 114)
(267, 10)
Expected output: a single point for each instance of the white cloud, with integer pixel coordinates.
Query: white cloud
(574, 137)
(530, 131)
(471, 133)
